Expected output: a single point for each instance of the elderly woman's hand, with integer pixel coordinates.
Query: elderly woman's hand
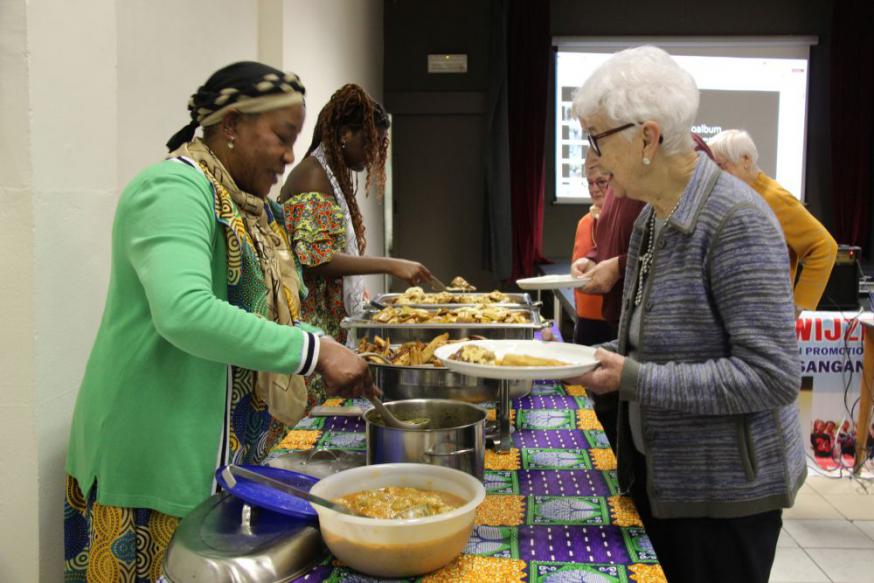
(345, 373)
(602, 277)
(581, 266)
(605, 378)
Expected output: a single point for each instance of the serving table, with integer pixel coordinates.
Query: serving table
(552, 511)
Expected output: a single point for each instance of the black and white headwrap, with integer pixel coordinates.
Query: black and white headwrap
(247, 87)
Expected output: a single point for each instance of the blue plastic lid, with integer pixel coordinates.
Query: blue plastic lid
(266, 497)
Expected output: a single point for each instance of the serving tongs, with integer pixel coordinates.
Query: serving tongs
(437, 285)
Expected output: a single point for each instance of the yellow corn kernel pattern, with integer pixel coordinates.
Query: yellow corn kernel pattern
(647, 573)
(586, 419)
(501, 510)
(623, 512)
(603, 458)
(576, 391)
(503, 461)
(300, 439)
(477, 569)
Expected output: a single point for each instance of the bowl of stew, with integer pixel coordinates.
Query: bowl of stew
(418, 517)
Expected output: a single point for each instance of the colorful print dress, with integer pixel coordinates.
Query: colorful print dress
(104, 543)
(317, 226)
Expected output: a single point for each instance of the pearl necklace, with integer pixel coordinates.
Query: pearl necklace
(647, 258)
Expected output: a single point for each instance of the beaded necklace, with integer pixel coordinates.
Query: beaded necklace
(646, 259)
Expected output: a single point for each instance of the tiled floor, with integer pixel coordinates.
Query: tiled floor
(829, 534)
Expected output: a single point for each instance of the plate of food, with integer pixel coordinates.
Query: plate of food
(552, 282)
(517, 359)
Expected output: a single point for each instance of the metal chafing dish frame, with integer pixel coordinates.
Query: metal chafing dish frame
(443, 383)
(400, 333)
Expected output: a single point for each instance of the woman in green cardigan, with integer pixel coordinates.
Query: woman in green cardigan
(200, 348)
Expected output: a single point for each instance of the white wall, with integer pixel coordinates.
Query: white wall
(166, 50)
(330, 43)
(90, 93)
(73, 142)
(18, 456)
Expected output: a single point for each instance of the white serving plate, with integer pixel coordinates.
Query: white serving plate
(552, 282)
(581, 359)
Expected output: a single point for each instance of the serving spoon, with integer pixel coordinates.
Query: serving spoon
(231, 472)
(392, 421)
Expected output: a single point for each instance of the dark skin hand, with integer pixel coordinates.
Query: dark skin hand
(345, 373)
(309, 176)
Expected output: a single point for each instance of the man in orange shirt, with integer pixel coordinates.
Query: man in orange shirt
(810, 244)
(591, 328)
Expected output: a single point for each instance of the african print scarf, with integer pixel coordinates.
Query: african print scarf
(263, 276)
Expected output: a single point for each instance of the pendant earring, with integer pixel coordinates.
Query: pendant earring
(231, 144)
(646, 161)
(342, 145)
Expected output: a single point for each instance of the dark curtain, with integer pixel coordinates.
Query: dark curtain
(497, 239)
(852, 120)
(528, 53)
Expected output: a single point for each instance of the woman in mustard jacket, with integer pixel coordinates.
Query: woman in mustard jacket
(810, 244)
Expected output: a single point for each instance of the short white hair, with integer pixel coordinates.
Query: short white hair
(643, 84)
(734, 145)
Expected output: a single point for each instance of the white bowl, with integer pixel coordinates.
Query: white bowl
(398, 548)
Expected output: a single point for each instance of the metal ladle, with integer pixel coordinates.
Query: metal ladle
(392, 421)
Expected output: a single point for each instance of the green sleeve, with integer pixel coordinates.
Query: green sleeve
(168, 227)
(310, 328)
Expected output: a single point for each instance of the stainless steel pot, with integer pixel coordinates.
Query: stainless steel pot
(454, 438)
(400, 383)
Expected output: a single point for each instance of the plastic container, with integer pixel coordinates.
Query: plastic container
(398, 548)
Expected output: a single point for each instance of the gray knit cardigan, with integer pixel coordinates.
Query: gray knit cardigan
(717, 373)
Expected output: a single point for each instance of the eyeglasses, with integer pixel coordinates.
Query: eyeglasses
(593, 138)
(601, 183)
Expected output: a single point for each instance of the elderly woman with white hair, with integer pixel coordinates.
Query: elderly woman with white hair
(809, 242)
(706, 361)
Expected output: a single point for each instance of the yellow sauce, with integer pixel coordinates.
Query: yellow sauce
(397, 502)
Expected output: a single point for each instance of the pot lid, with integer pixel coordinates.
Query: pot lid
(319, 463)
(226, 541)
(266, 497)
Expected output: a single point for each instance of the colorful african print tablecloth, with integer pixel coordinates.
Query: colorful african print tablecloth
(552, 512)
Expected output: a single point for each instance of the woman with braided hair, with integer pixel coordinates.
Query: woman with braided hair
(322, 213)
(198, 358)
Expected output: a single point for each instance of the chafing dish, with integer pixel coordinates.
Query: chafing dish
(514, 300)
(362, 325)
(419, 382)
